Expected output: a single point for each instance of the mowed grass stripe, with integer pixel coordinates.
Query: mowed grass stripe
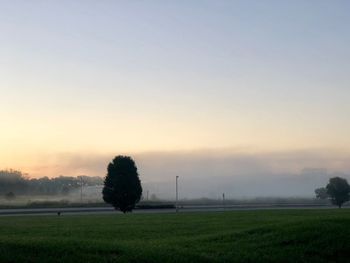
(244, 236)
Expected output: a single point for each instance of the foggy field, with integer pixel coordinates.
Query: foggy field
(245, 236)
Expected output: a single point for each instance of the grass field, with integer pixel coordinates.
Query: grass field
(244, 236)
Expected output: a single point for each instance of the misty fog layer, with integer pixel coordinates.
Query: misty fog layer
(209, 173)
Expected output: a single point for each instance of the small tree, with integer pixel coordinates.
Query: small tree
(321, 193)
(338, 190)
(122, 186)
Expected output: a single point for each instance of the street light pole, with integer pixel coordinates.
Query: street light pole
(223, 201)
(81, 189)
(177, 195)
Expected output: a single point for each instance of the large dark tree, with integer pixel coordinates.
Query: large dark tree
(339, 190)
(122, 186)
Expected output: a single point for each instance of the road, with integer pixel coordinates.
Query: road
(110, 210)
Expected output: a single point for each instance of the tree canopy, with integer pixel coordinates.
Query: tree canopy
(339, 190)
(20, 184)
(122, 186)
(321, 193)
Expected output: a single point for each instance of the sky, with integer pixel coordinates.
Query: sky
(88, 80)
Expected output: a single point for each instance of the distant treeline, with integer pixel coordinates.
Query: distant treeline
(16, 183)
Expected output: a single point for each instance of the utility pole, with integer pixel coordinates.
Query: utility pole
(223, 200)
(147, 195)
(177, 195)
(81, 189)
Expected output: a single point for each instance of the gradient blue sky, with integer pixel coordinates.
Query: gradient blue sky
(138, 76)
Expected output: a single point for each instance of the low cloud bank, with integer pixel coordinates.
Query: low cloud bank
(209, 173)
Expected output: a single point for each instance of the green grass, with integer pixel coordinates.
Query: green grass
(245, 236)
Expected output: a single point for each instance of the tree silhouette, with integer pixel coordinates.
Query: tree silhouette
(339, 190)
(321, 193)
(122, 186)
